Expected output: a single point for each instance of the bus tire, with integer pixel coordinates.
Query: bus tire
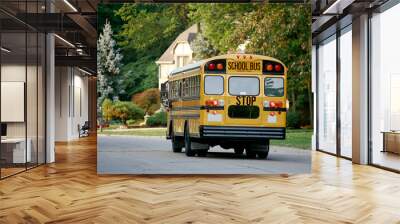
(262, 155)
(188, 142)
(250, 154)
(239, 150)
(177, 143)
(202, 153)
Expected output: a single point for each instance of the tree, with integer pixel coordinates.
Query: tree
(108, 66)
(277, 30)
(147, 31)
(202, 48)
(148, 100)
(125, 110)
(107, 110)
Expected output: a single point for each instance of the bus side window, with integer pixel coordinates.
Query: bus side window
(180, 89)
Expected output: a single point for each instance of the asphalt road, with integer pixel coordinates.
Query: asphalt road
(153, 155)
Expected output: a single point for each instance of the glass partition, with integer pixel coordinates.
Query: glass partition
(346, 92)
(22, 100)
(14, 153)
(327, 95)
(385, 89)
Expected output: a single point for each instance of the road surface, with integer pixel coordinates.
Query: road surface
(153, 155)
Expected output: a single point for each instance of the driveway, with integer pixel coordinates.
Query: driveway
(153, 155)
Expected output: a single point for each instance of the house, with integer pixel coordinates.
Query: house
(178, 54)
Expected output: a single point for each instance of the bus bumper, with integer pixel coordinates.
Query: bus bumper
(245, 133)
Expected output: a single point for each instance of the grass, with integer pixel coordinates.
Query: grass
(135, 132)
(296, 138)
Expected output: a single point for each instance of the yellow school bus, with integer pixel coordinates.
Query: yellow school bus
(237, 101)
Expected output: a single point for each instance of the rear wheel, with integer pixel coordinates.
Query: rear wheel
(202, 153)
(262, 155)
(188, 143)
(250, 153)
(239, 150)
(177, 142)
(259, 150)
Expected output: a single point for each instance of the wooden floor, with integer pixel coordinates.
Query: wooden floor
(70, 191)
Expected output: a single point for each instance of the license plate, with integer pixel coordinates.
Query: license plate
(244, 66)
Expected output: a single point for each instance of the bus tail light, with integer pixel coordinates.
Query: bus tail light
(211, 103)
(221, 103)
(275, 104)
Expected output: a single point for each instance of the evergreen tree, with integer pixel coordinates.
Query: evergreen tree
(108, 66)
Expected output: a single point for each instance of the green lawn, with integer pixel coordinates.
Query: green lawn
(297, 138)
(135, 131)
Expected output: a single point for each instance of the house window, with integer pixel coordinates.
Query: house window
(182, 61)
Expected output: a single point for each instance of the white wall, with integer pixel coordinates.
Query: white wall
(181, 49)
(71, 102)
(164, 70)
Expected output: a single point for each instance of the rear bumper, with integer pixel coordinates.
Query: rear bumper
(232, 133)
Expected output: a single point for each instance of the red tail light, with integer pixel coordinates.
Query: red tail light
(278, 67)
(211, 66)
(212, 102)
(276, 104)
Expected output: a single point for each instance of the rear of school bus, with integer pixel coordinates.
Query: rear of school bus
(244, 103)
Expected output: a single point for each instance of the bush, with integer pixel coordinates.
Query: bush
(107, 110)
(125, 110)
(293, 119)
(158, 119)
(130, 122)
(148, 100)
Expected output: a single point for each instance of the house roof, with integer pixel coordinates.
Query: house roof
(186, 36)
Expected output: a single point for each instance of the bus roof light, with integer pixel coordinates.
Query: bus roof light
(278, 67)
(211, 66)
(220, 66)
(269, 67)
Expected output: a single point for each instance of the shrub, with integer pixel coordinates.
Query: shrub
(107, 110)
(148, 100)
(158, 119)
(293, 119)
(125, 110)
(130, 122)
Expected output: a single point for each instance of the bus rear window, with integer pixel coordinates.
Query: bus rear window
(244, 86)
(213, 85)
(274, 87)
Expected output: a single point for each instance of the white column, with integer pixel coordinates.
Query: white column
(314, 91)
(50, 100)
(360, 90)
